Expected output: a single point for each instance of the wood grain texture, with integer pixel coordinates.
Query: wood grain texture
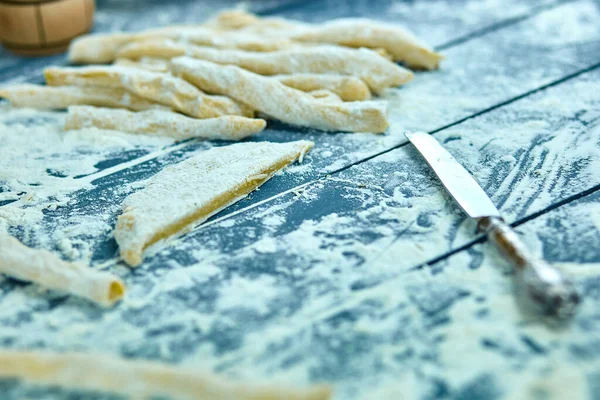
(326, 281)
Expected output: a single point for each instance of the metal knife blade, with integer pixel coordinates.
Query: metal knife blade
(550, 291)
(455, 178)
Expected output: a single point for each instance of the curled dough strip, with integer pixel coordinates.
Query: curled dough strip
(186, 194)
(402, 44)
(61, 97)
(48, 270)
(326, 96)
(154, 64)
(281, 102)
(243, 20)
(159, 87)
(164, 123)
(142, 379)
(348, 88)
(97, 49)
(103, 48)
(376, 71)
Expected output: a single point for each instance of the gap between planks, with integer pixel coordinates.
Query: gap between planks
(501, 24)
(515, 224)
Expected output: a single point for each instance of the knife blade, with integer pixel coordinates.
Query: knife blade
(553, 293)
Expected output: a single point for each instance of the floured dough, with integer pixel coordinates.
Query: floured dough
(49, 271)
(103, 48)
(376, 71)
(281, 102)
(97, 49)
(155, 64)
(139, 379)
(186, 194)
(402, 44)
(236, 29)
(165, 123)
(239, 19)
(159, 87)
(61, 97)
(326, 96)
(348, 88)
(398, 41)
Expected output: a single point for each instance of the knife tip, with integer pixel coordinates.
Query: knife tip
(410, 135)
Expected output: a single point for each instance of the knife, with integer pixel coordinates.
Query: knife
(550, 291)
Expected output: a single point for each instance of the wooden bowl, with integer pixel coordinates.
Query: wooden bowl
(40, 27)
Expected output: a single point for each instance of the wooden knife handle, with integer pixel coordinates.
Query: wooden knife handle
(546, 286)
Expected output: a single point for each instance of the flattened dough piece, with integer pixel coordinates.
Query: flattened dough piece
(163, 123)
(139, 379)
(402, 44)
(281, 102)
(376, 71)
(155, 86)
(186, 194)
(61, 97)
(49, 271)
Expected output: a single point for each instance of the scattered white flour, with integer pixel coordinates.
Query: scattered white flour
(253, 294)
(39, 158)
(395, 219)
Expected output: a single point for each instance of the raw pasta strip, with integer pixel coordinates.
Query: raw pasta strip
(155, 64)
(186, 194)
(97, 49)
(376, 71)
(103, 48)
(48, 270)
(242, 20)
(139, 379)
(402, 44)
(61, 97)
(348, 88)
(326, 96)
(164, 123)
(159, 87)
(281, 102)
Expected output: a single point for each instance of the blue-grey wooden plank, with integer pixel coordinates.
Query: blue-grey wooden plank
(453, 329)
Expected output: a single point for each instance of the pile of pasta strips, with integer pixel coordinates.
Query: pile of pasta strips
(212, 80)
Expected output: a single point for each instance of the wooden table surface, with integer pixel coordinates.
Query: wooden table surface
(355, 268)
